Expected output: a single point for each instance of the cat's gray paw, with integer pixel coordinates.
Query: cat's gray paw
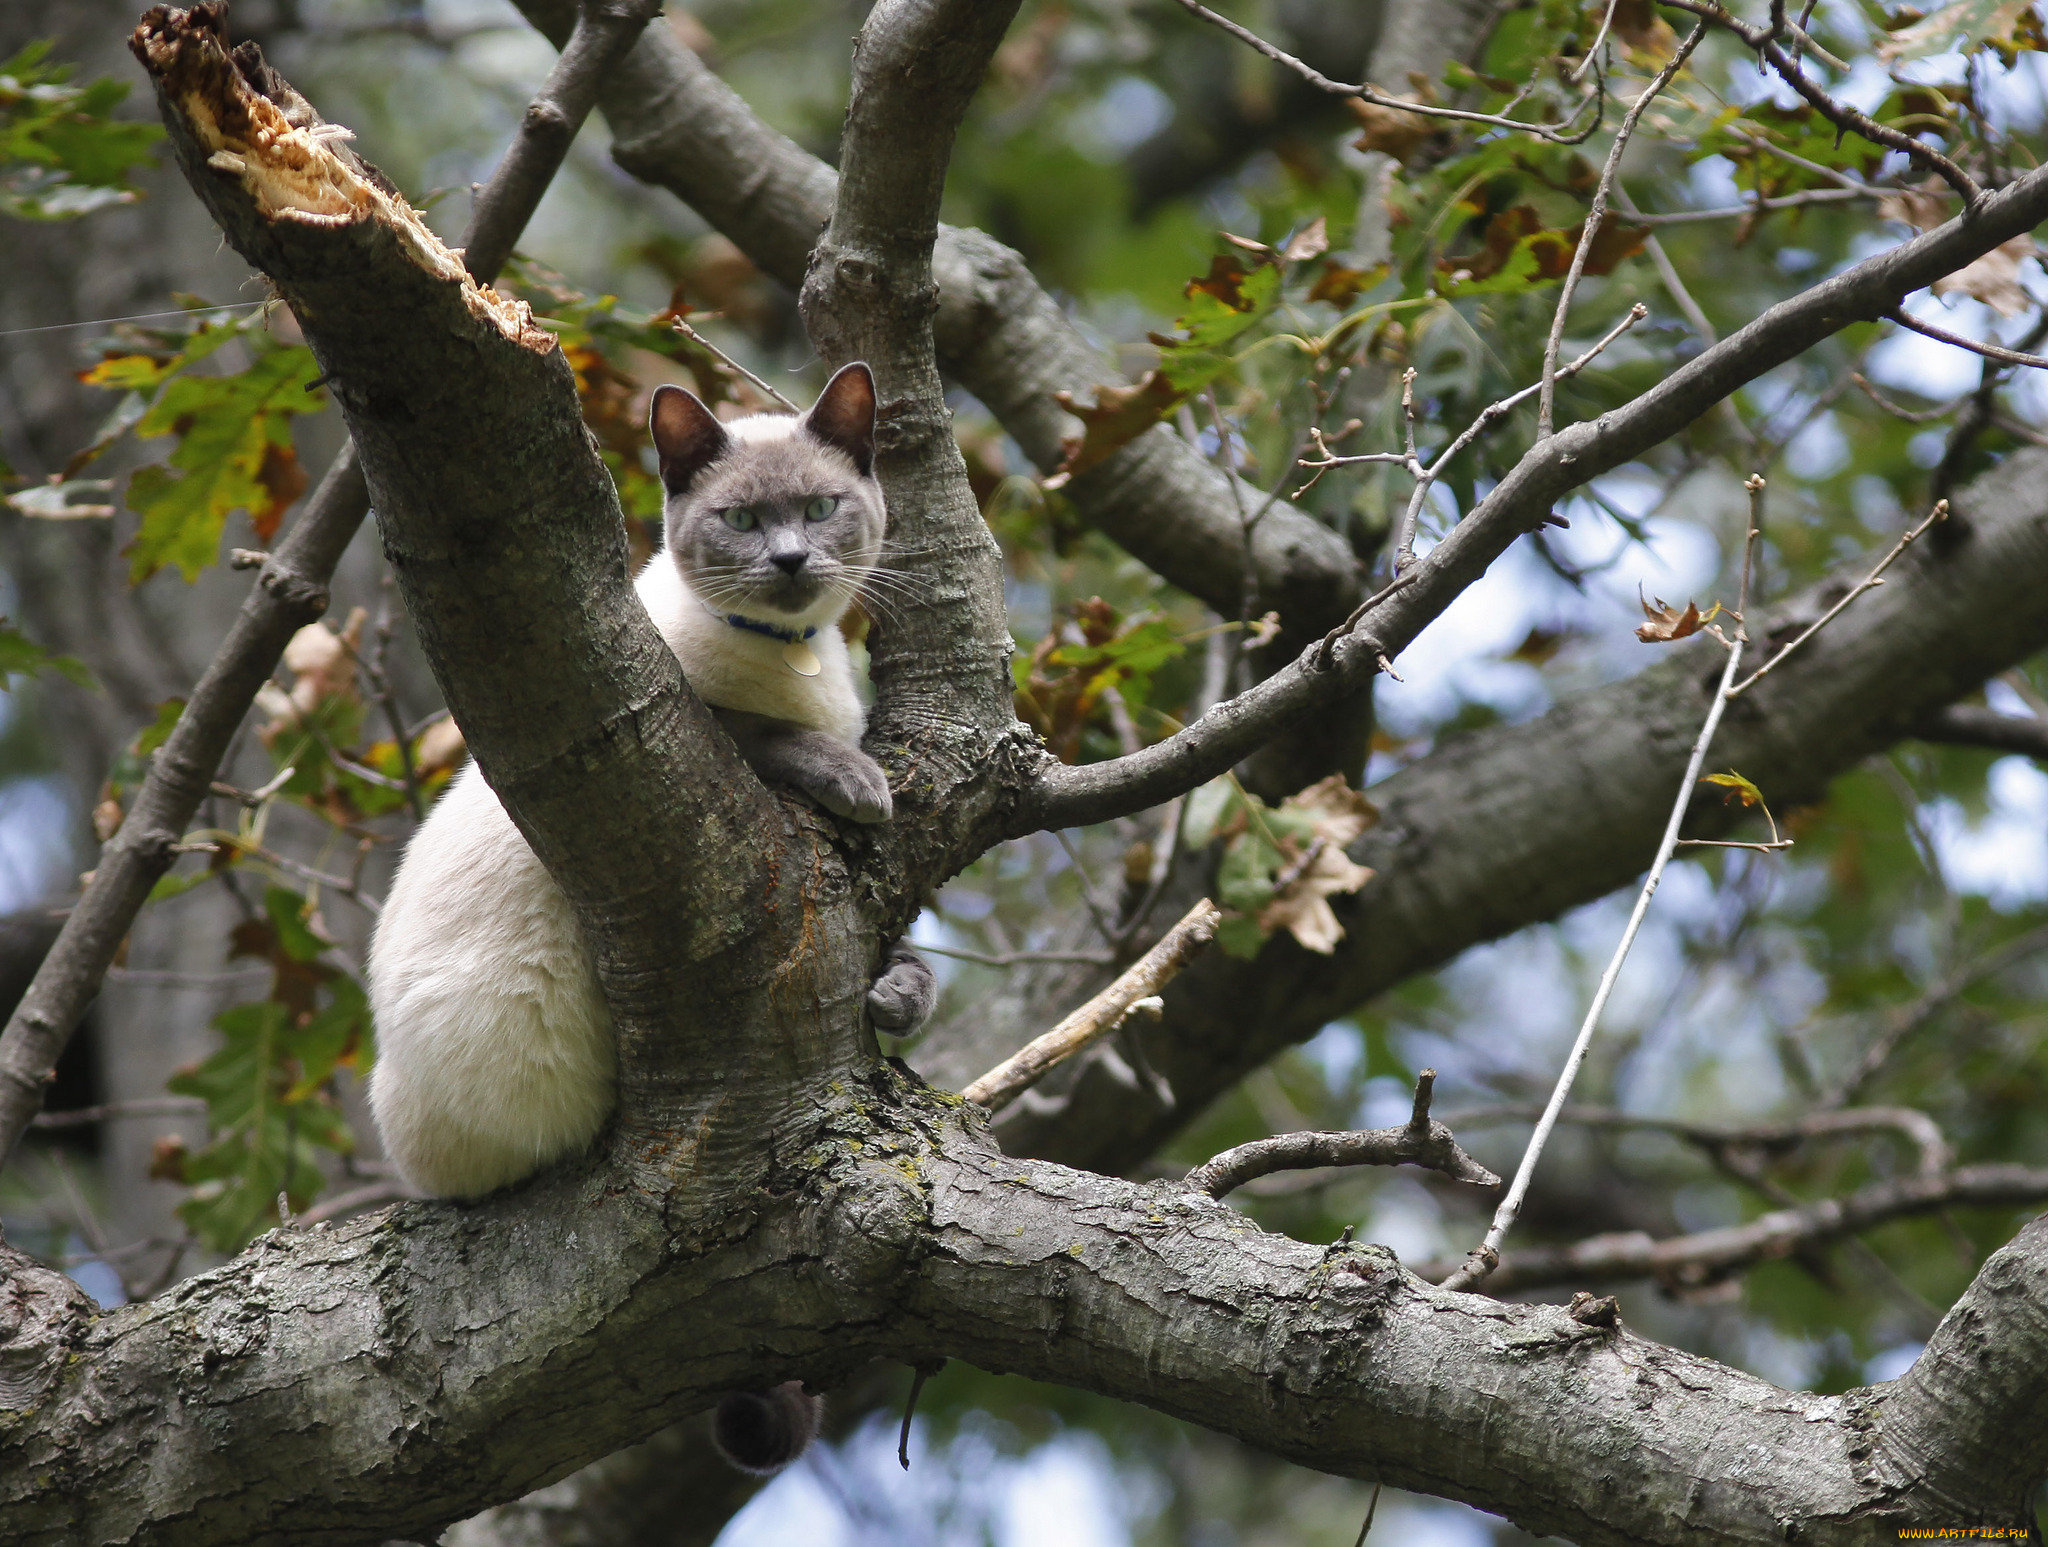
(904, 994)
(853, 786)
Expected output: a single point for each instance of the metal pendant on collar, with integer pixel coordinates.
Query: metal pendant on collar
(800, 658)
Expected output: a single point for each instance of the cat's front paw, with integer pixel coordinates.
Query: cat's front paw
(852, 785)
(905, 992)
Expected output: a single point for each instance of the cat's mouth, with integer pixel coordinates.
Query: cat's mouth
(792, 594)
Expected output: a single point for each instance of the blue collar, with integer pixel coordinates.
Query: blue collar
(788, 636)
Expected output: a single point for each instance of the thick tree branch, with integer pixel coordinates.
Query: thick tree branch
(290, 590)
(405, 1369)
(941, 668)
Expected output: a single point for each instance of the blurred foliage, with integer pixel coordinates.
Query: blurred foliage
(61, 154)
(1274, 303)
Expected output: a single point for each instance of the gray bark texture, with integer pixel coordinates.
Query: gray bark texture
(774, 1201)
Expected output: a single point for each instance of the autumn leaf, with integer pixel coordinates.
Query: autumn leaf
(1664, 623)
(1390, 130)
(234, 433)
(1311, 241)
(1738, 788)
(1994, 278)
(1962, 25)
(1223, 303)
(1641, 31)
(1118, 416)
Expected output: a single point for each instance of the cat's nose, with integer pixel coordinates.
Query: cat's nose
(789, 563)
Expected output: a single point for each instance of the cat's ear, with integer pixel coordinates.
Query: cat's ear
(844, 415)
(687, 436)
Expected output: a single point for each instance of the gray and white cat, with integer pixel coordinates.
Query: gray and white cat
(495, 1051)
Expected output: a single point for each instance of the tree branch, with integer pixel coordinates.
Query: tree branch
(1417, 1142)
(1069, 797)
(1710, 1255)
(1102, 1014)
(943, 687)
(1569, 804)
(290, 590)
(1972, 725)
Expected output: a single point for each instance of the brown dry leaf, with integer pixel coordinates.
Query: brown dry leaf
(323, 664)
(1312, 241)
(1340, 813)
(440, 746)
(1994, 278)
(1641, 30)
(167, 1159)
(1225, 280)
(1664, 623)
(1338, 284)
(1302, 907)
(1118, 416)
(1389, 130)
(1337, 815)
(106, 819)
(1922, 208)
(284, 480)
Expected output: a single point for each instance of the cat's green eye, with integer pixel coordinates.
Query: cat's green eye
(821, 507)
(741, 518)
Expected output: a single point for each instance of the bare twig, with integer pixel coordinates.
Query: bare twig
(1596, 217)
(1481, 1262)
(154, 1106)
(1017, 958)
(1874, 578)
(723, 358)
(1903, 1021)
(1840, 114)
(1418, 1142)
(1998, 352)
(290, 592)
(1556, 134)
(1930, 1148)
(1711, 1255)
(1100, 1015)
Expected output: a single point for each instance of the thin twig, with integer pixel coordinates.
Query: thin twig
(1486, 1256)
(1100, 1015)
(1931, 1149)
(1420, 1141)
(1551, 132)
(154, 1106)
(1998, 352)
(1596, 217)
(1709, 1256)
(705, 344)
(1017, 958)
(1869, 581)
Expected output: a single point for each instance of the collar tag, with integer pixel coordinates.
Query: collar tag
(797, 653)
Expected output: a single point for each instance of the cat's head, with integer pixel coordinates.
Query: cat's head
(775, 516)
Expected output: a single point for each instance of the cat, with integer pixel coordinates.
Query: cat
(495, 1049)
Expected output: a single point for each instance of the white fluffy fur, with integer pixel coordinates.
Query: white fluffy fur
(494, 1048)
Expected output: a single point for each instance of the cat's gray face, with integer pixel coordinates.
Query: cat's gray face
(775, 517)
